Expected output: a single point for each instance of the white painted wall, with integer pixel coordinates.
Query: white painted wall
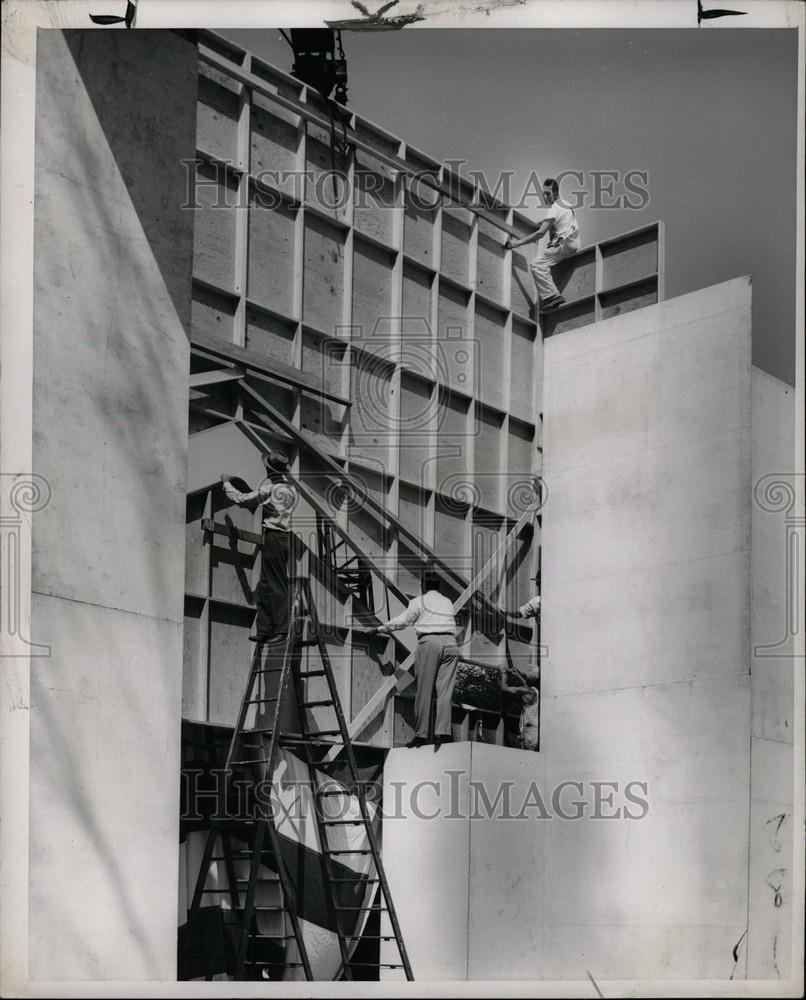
(646, 589)
(115, 116)
(769, 940)
(646, 615)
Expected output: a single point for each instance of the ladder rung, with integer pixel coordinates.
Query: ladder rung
(333, 791)
(241, 854)
(342, 822)
(269, 965)
(312, 673)
(259, 701)
(357, 878)
(362, 909)
(268, 670)
(269, 909)
(326, 850)
(378, 937)
(261, 761)
(312, 704)
(377, 965)
(252, 732)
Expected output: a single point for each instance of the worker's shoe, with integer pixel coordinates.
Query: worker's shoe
(417, 741)
(552, 303)
(439, 740)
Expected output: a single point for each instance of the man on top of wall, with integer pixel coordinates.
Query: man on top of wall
(561, 224)
(278, 498)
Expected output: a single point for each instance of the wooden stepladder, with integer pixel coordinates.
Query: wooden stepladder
(278, 678)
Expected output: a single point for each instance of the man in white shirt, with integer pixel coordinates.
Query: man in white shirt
(436, 660)
(277, 498)
(561, 224)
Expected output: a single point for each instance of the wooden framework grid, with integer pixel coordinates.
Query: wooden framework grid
(393, 297)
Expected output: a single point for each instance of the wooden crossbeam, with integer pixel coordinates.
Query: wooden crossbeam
(260, 366)
(199, 379)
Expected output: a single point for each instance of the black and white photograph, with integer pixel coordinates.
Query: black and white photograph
(402, 526)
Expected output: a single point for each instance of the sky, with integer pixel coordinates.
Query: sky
(709, 115)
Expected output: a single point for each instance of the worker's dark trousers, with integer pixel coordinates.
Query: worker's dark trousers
(273, 592)
(435, 665)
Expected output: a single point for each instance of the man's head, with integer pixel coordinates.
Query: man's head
(551, 190)
(430, 580)
(275, 463)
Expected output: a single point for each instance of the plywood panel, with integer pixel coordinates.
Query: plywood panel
(212, 314)
(417, 298)
(271, 256)
(523, 284)
(418, 223)
(568, 318)
(214, 233)
(230, 660)
(274, 144)
(491, 353)
(488, 445)
(451, 533)
(217, 118)
(319, 180)
(195, 557)
(630, 258)
(576, 277)
(490, 262)
(372, 427)
(455, 350)
(324, 275)
(371, 664)
(455, 239)
(372, 297)
(635, 297)
(194, 679)
(417, 408)
(523, 375)
(269, 336)
(374, 198)
(453, 444)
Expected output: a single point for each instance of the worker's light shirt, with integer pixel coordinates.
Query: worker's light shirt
(430, 613)
(563, 219)
(278, 500)
(531, 608)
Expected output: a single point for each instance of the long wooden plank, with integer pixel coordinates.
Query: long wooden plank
(260, 365)
(402, 677)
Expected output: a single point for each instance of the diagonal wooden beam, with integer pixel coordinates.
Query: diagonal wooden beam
(402, 677)
(307, 442)
(213, 378)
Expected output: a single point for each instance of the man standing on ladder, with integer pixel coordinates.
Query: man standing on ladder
(277, 497)
(561, 224)
(436, 660)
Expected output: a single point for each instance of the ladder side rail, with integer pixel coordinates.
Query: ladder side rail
(358, 787)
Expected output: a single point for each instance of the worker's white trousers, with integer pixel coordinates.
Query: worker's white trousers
(546, 259)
